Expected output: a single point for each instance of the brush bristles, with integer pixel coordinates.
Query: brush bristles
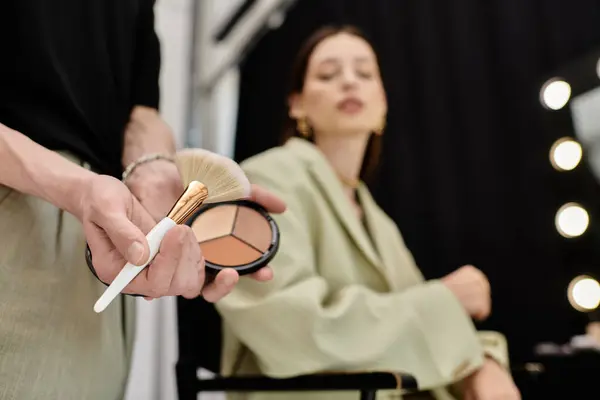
(223, 177)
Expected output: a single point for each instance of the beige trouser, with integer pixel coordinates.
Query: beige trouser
(52, 344)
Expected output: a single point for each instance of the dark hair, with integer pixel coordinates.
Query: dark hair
(373, 150)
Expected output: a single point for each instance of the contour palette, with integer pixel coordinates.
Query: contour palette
(236, 234)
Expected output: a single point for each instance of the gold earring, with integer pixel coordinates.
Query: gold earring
(379, 130)
(302, 127)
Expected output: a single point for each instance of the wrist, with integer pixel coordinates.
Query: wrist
(71, 191)
(34, 170)
(156, 185)
(146, 133)
(143, 161)
(150, 179)
(64, 186)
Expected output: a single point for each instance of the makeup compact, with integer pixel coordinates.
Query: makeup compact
(238, 234)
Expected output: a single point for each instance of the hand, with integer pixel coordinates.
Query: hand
(490, 382)
(217, 289)
(115, 225)
(226, 279)
(472, 289)
(157, 185)
(274, 205)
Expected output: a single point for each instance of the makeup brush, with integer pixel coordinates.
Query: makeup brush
(223, 177)
(210, 178)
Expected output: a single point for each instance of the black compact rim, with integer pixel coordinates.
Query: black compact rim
(257, 264)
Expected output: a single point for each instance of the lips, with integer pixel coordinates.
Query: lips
(350, 105)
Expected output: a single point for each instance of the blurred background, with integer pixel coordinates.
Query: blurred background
(491, 156)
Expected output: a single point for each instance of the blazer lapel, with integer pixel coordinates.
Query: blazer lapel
(373, 220)
(333, 190)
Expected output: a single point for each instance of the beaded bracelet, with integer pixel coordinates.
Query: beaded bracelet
(143, 160)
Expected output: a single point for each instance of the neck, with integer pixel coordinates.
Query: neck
(345, 154)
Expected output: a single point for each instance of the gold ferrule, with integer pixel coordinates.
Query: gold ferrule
(192, 198)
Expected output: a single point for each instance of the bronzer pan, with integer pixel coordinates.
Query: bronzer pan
(237, 234)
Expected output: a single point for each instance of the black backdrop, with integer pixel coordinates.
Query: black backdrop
(465, 171)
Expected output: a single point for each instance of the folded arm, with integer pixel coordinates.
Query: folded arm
(494, 344)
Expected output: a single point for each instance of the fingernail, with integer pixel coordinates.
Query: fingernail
(135, 253)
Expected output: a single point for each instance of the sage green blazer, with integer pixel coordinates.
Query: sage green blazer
(346, 296)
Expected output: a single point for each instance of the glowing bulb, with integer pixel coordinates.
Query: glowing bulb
(584, 293)
(565, 154)
(571, 220)
(555, 94)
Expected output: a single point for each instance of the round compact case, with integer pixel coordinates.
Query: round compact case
(238, 234)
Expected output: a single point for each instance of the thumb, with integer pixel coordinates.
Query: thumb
(128, 239)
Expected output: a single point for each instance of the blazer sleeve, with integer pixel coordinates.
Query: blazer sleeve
(495, 347)
(494, 343)
(296, 324)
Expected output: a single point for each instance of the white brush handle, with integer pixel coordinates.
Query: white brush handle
(130, 271)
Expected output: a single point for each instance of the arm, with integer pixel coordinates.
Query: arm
(156, 184)
(494, 344)
(32, 169)
(112, 220)
(296, 324)
(147, 133)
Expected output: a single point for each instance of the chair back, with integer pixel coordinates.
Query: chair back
(199, 332)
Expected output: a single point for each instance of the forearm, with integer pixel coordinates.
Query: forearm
(32, 169)
(155, 184)
(146, 133)
(323, 335)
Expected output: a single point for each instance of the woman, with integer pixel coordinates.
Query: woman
(347, 294)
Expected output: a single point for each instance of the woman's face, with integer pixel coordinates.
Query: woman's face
(343, 93)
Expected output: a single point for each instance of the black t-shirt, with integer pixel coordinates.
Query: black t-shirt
(72, 70)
